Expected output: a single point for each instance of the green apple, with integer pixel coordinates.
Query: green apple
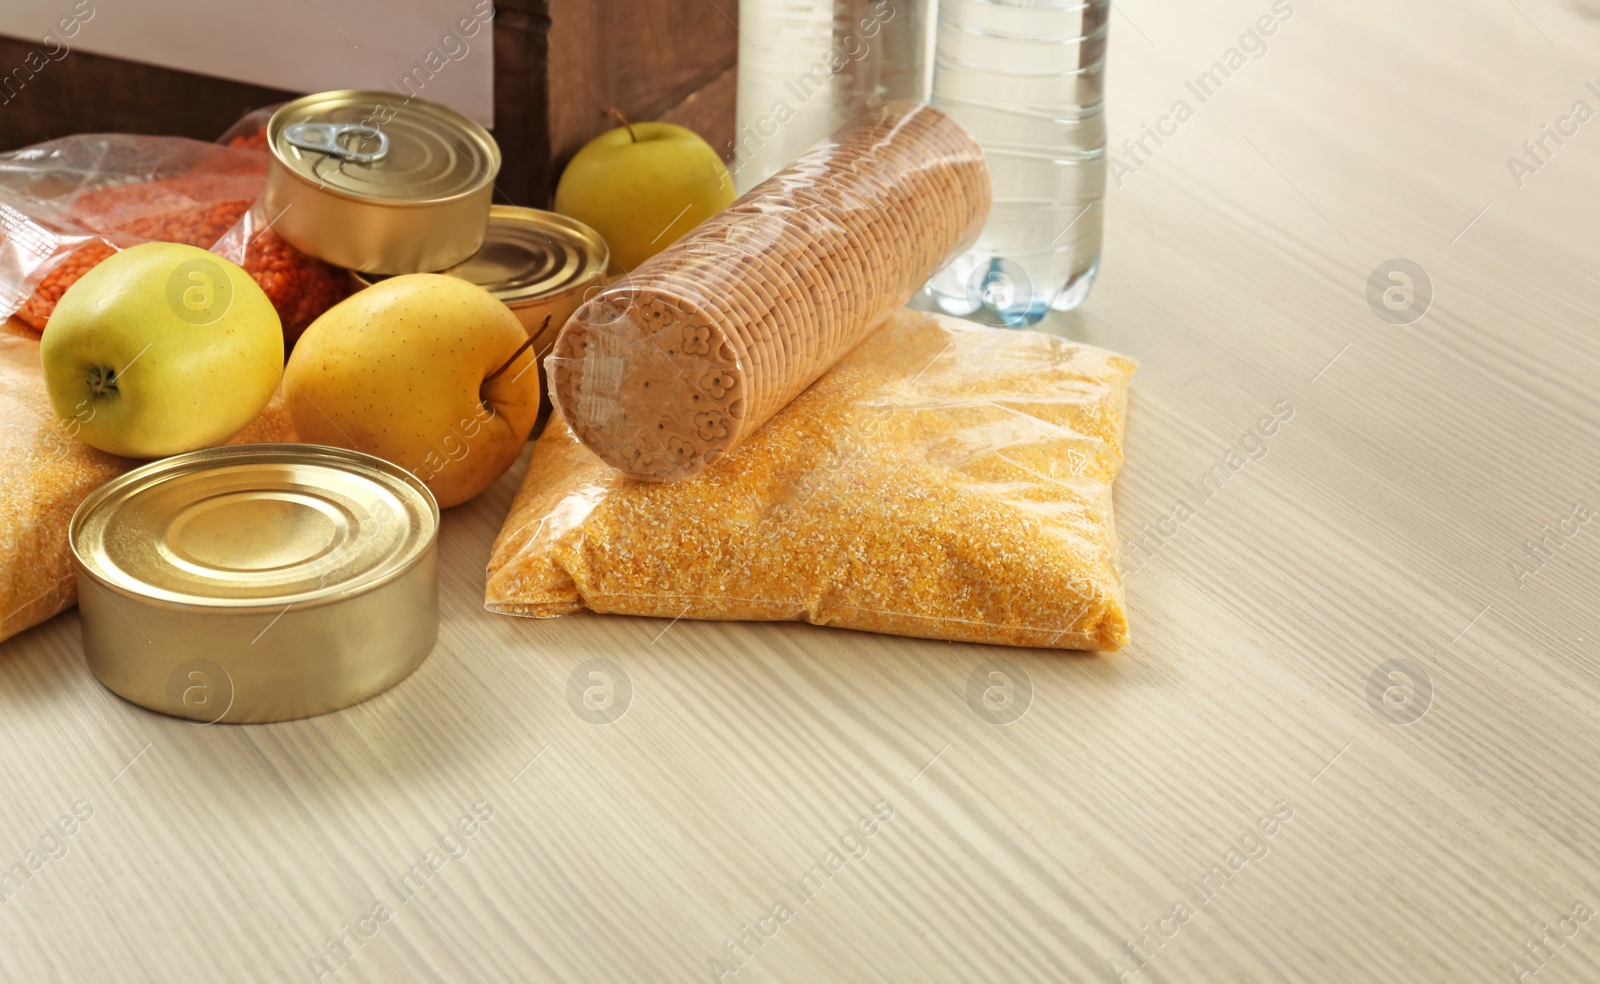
(428, 371)
(159, 349)
(641, 186)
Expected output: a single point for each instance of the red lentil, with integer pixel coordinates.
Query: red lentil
(197, 209)
(251, 141)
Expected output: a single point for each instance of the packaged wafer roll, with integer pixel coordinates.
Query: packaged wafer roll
(675, 364)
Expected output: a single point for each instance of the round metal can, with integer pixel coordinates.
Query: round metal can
(257, 582)
(376, 184)
(539, 263)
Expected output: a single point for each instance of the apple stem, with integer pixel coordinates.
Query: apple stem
(614, 111)
(514, 355)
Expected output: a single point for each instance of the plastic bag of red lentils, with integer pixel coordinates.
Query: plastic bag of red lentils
(251, 130)
(67, 204)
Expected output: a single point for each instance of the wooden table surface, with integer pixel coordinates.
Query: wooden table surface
(1353, 740)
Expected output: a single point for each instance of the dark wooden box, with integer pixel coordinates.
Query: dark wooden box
(559, 64)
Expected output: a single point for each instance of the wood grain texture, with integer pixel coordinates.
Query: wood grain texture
(88, 93)
(669, 60)
(710, 111)
(1381, 523)
(557, 66)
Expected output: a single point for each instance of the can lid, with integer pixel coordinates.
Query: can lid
(529, 254)
(254, 525)
(370, 146)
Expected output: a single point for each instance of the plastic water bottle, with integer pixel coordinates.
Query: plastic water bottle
(806, 67)
(1027, 80)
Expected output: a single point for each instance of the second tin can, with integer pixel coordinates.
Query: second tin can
(372, 183)
(540, 264)
(258, 582)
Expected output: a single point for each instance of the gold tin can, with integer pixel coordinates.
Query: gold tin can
(379, 185)
(539, 263)
(258, 582)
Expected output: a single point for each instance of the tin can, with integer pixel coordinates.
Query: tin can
(371, 183)
(257, 582)
(539, 263)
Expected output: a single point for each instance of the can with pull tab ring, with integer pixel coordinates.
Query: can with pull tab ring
(379, 185)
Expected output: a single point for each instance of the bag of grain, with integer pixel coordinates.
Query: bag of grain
(44, 473)
(943, 480)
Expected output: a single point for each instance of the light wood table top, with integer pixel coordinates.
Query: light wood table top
(1387, 519)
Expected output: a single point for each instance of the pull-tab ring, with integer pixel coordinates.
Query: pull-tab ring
(323, 138)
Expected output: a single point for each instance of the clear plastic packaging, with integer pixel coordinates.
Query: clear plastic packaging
(251, 130)
(670, 368)
(67, 204)
(45, 471)
(943, 480)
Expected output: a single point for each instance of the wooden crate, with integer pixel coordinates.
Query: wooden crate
(558, 65)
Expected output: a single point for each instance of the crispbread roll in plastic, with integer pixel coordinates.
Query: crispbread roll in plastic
(672, 366)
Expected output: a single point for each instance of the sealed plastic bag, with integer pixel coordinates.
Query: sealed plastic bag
(45, 471)
(67, 204)
(251, 129)
(944, 480)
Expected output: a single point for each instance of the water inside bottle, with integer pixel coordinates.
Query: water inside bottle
(806, 67)
(1026, 78)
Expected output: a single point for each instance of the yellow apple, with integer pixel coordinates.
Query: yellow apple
(424, 370)
(641, 186)
(159, 349)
